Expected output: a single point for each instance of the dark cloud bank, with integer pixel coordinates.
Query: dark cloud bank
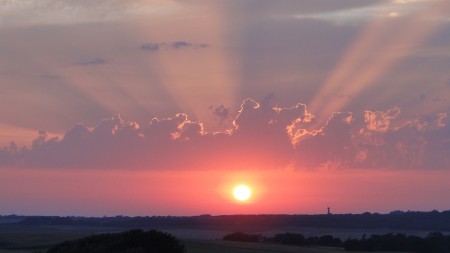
(262, 137)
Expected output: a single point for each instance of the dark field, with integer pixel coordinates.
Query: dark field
(201, 234)
(38, 242)
(195, 240)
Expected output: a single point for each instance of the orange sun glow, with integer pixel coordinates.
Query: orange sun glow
(242, 192)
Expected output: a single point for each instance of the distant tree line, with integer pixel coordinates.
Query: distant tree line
(434, 242)
(242, 237)
(286, 239)
(410, 220)
(134, 241)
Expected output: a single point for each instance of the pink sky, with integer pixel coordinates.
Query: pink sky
(161, 107)
(117, 192)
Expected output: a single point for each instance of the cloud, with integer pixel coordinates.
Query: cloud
(403, 145)
(329, 146)
(181, 44)
(151, 46)
(259, 136)
(221, 112)
(53, 12)
(380, 121)
(94, 61)
(154, 47)
(359, 14)
(263, 136)
(269, 8)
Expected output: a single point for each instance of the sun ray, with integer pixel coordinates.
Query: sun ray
(346, 79)
(204, 73)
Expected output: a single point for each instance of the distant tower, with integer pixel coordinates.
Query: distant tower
(328, 211)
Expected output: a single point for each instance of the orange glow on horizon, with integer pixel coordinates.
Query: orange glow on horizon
(176, 192)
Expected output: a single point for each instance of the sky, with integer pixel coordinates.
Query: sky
(161, 107)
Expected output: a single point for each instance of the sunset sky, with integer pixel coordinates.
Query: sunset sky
(162, 107)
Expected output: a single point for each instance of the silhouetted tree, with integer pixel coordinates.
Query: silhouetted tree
(330, 241)
(134, 241)
(241, 237)
(435, 242)
(289, 239)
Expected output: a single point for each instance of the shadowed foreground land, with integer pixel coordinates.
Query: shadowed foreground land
(36, 242)
(136, 241)
(200, 246)
(25, 234)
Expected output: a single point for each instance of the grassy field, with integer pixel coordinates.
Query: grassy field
(31, 242)
(218, 246)
(27, 242)
(16, 251)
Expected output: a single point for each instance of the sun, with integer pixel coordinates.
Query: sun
(242, 192)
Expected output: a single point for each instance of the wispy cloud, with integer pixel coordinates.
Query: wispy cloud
(93, 61)
(53, 12)
(154, 47)
(358, 15)
(151, 47)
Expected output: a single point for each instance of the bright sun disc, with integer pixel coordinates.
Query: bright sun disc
(242, 192)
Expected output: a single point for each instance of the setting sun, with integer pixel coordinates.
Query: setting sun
(242, 192)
